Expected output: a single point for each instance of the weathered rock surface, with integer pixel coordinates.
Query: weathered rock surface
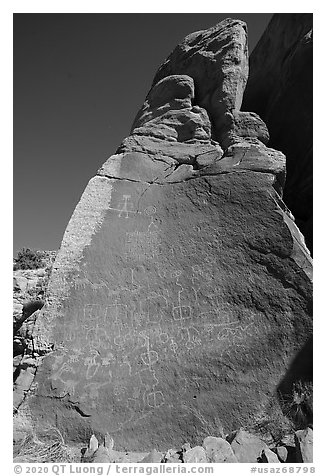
(20, 283)
(269, 456)
(246, 447)
(217, 60)
(153, 457)
(168, 112)
(219, 450)
(280, 89)
(173, 456)
(182, 290)
(195, 455)
(104, 453)
(304, 445)
(28, 290)
(282, 453)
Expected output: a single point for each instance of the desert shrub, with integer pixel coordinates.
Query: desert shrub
(271, 424)
(28, 259)
(299, 405)
(46, 448)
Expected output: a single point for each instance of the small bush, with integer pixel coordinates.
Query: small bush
(29, 259)
(270, 423)
(48, 448)
(300, 405)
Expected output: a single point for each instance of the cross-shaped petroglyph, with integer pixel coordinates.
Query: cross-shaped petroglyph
(125, 207)
(180, 311)
(155, 399)
(150, 358)
(146, 318)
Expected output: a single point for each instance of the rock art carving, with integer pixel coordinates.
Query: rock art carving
(184, 285)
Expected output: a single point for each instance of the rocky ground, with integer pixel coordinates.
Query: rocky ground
(29, 287)
(238, 447)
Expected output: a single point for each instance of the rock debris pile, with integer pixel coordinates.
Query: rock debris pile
(238, 447)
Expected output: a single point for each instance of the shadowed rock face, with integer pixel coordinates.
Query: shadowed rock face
(279, 89)
(182, 289)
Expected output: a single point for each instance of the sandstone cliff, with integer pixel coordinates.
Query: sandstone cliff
(181, 295)
(280, 90)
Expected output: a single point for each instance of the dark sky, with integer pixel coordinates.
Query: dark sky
(79, 80)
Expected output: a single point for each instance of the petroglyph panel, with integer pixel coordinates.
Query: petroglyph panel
(149, 329)
(160, 307)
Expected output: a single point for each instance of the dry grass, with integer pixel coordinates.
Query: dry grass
(46, 448)
(285, 414)
(271, 425)
(298, 406)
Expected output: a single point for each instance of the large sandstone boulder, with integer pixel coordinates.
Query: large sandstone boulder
(182, 289)
(280, 90)
(219, 450)
(246, 447)
(217, 60)
(195, 455)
